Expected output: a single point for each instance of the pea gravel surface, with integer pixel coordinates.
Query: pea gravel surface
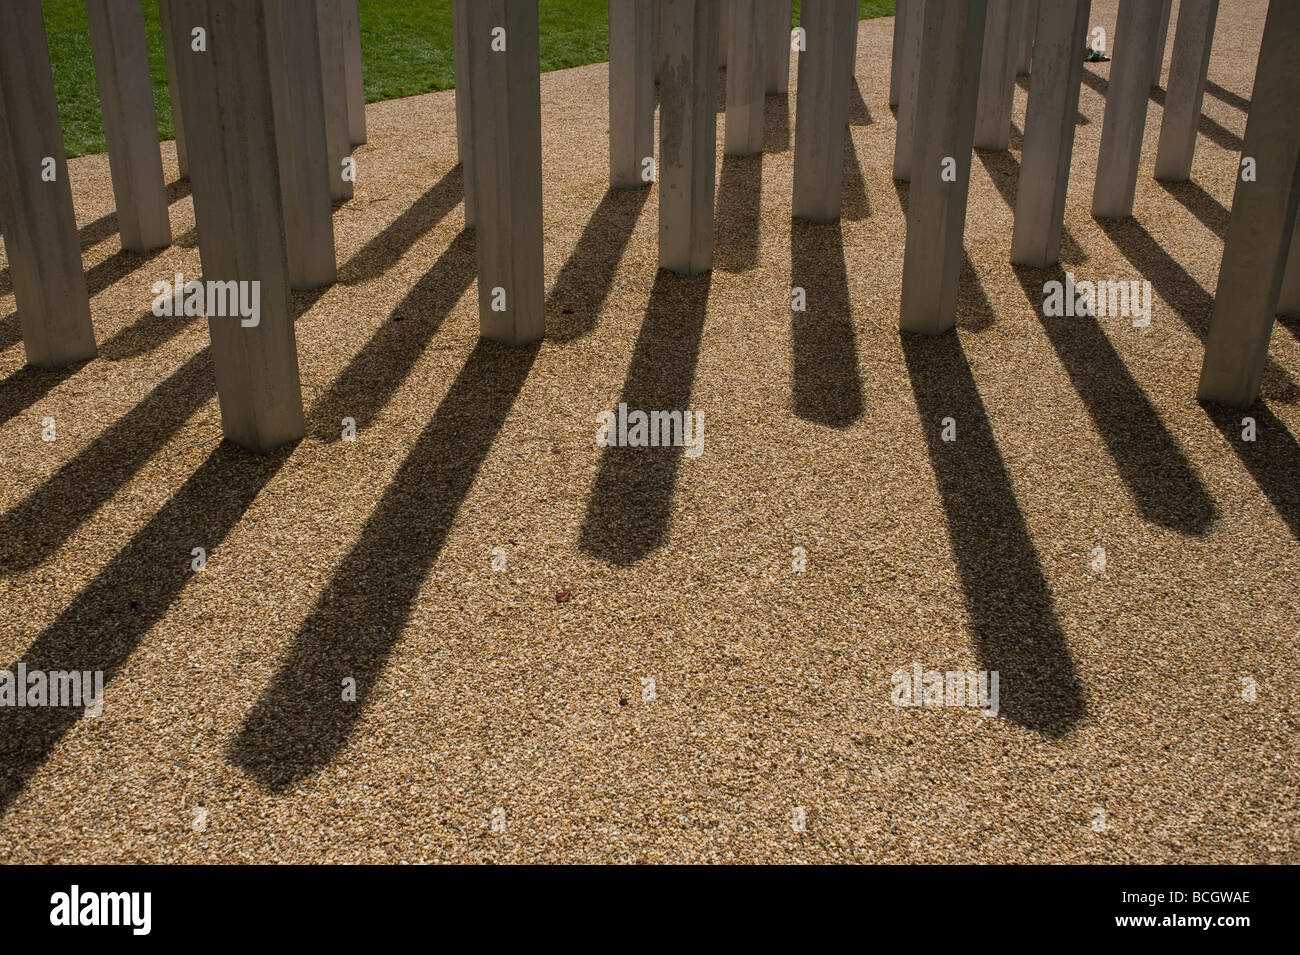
(569, 653)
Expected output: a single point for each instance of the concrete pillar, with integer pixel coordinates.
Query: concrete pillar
(1028, 24)
(1136, 29)
(822, 107)
(1162, 32)
(173, 88)
(464, 141)
(338, 143)
(724, 30)
(777, 62)
(631, 92)
(945, 132)
(998, 74)
(1187, 70)
(356, 87)
(117, 45)
(688, 92)
(896, 57)
(1262, 223)
(234, 173)
(1060, 37)
(656, 54)
(294, 50)
(1288, 302)
(506, 126)
(909, 78)
(40, 226)
(743, 131)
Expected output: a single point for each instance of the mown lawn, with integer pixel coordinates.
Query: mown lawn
(405, 44)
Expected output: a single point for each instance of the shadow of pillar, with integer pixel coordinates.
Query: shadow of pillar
(826, 380)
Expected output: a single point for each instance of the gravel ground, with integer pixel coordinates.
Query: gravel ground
(520, 697)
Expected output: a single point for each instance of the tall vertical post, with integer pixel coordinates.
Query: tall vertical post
(1025, 44)
(1187, 70)
(356, 86)
(688, 130)
(777, 54)
(117, 45)
(1162, 33)
(945, 132)
(464, 140)
(506, 120)
(896, 57)
(631, 93)
(338, 142)
(235, 175)
(1262, 224)
(745, 80)
(173, 87)
(40, 226)
(998, 74)
(1059, 37)
(1288, 301)
(294, 50)
(909, 78)
(724, 30)
(822, 107)
(1126, 109)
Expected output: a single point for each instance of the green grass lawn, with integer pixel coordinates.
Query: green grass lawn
(405, 44)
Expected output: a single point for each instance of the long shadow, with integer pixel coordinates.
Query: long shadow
(1227, 96)
(383, 251)
(300, 723)
(117, 267)
(776, 123)
(1004, 169)
(375, 373)
(1273, 458)
(827, 382)
(33, 528)
(854, 204)
(573, 305)
(1164, 484)
(1014, 623)
(739, 213)
(1206, 126)
(28, 385)
(106, 621)
(1184, 294)
(630, 506)
(1200, 204)
(859, 114)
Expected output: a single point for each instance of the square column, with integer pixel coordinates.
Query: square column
(998, 74)
(235, 175)
(464, 141)
(1187, 70)
(298, 97)
(173, 87)
(945, 132)
(1162, 33)
(1262, 224)
(745, 78)
(908, 78)
(688, 131)
(356, 87)
(1136, 30)
(40, 226)
(1059, 37)
(117, 45)
(334, 83)
(777, 61)
(1288, 302)
(1028, 24)
(506, 127)
(631, 92)
(822, 107)
(724, 31)
(896, 56)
